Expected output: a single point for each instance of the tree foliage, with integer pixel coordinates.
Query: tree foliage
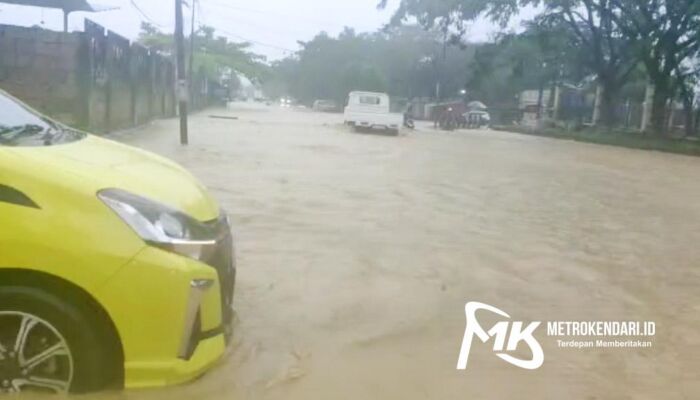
(405, 61)
(667, 37)
(528, 60)
(614, 37)
(214, 55)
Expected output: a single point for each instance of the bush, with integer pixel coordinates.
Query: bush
(613, 137)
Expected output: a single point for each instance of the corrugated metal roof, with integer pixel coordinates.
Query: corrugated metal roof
(66, 5)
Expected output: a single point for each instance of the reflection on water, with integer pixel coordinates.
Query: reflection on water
(357, 254)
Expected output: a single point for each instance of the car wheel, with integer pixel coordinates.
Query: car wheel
(46, 344)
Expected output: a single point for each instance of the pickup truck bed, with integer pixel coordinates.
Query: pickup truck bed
(370, 110)
(369, 120)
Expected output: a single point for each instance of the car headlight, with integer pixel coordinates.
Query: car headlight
(160, 225)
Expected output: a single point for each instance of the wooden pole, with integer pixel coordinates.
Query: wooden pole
(181, 73)
(192, 31)
(65, 20)
(191, 60)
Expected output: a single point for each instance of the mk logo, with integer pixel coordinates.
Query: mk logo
(499, 332)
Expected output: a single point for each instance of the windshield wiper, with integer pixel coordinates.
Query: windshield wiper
(12, 134)
(51, 136)
(53, 132)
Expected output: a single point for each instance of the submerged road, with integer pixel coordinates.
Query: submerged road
(357, 254)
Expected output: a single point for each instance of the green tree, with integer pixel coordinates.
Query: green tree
(214, 55)
(405, 61)
(667, 38)
(536, 58)
(588, 24)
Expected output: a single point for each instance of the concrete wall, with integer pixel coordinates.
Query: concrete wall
(95, 80)
(42, 68)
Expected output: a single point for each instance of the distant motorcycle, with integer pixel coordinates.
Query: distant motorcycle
(408, 121)
(448, 121)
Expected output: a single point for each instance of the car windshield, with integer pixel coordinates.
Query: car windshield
(21, 127)
(372, 100)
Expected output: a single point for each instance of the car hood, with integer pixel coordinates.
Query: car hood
(102, 164)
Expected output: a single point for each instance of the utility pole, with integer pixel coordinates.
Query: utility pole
(181, 73)
(65, 20)
(190, 67)
(442, 65)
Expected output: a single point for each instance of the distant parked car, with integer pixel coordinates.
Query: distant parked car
(285, 102)
(477, 115)
(371, 111)
(325, 106)
(477, 119)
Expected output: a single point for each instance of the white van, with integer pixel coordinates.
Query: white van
(371, 110)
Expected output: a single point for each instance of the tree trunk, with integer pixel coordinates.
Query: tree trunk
(688, 97)
(557, 100)
(688, 114)
(604, 108)
(597, 105)
(608, 115)
(659, 109)
(671, 117)
(540, 100)
(647, 108)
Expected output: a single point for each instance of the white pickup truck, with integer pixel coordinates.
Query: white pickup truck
(370, 110)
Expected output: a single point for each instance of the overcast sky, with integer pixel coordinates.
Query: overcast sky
(274, 26)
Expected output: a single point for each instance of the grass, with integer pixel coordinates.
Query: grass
(620, 138)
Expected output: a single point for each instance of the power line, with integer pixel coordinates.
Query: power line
(143, 14)
(288, 31)
(243, 38)
(198, 4)
(255, 41)
(266, 12)
(204, 4)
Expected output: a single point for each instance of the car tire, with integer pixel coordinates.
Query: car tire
(45, 321)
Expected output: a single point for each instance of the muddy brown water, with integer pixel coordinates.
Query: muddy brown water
(357, 253)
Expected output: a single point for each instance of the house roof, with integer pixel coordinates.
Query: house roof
(65, 5)
(476, 105)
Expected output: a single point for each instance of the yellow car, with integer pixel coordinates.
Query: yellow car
(116, 265)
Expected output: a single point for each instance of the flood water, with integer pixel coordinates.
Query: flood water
(357, 253)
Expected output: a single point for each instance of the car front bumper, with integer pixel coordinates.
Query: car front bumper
(173, 314)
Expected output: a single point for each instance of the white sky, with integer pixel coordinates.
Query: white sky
(276, 25)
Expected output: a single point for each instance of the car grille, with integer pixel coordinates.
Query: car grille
(224, 261)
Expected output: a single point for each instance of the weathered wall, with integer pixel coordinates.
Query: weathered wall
(95, 79)
(42, 68)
